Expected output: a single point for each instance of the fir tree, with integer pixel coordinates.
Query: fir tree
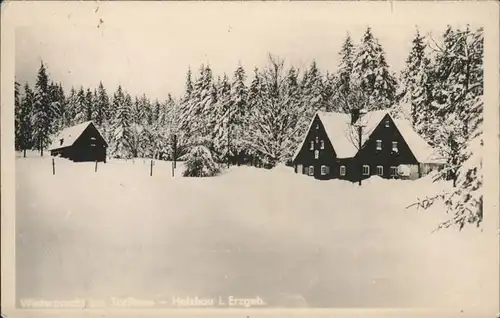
(417, 83)
(25, 137)
(17, 115)
(120, 129)
(274, 117)
(371, 73)
(345, 67)
(458, 98)
(312, 89)
(71, 108)
(80, 107)
(103, 113)
(45, 111)
(239, 105)
(89, 105)
(224, 121)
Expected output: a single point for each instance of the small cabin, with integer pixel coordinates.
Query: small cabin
(79, 143)
(359, 145)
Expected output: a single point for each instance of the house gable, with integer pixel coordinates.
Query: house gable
(316, 134)
(378, 149)
(90, 132)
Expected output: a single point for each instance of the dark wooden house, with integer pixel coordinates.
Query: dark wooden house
(82, 142)
(356, 146)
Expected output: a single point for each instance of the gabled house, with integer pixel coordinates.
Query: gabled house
(356, 146)
(82, 142)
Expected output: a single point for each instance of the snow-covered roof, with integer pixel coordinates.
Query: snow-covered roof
(68, 136)
(344, 136)
(423, 152)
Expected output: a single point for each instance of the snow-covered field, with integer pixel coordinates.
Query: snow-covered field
(290, 239)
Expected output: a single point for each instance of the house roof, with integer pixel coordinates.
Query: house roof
(423, 152)
(69, 135)
(344, 136)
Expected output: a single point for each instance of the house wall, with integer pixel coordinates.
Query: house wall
(327, 155)
(369, 155)
(84, 148)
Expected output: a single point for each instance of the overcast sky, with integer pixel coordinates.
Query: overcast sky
(148, 47)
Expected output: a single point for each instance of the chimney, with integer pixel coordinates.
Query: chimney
(354, 115)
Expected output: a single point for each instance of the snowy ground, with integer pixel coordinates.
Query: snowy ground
(287, 238)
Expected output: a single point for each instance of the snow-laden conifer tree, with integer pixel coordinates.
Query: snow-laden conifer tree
(71, 108)
(239, 102)
(329, 91)
(102, 114)
(194, 116)
(274, 116)
(312, 90)
(416, 89)
(45, 111)
(200, 163)
(458, 97)
(25, 120)
(80, 107)
(120, 128)
(371, 73)
(345, 68)
(459, 74)
(225, 116)
(89, 105)
(17, 115)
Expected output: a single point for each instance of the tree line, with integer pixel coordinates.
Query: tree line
(260, 121)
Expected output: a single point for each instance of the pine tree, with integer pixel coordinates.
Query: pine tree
(194, 122)
(329, 91)
(312, 89)
(17, 115)
(371, 73)
(89, 105)
(45, 111)
(120, 129)
(458, 97)
(80, 107)
(417, 83)
(103, 113)
(224, 122)
(345, 67)
(71, 108)
(459, 83)
(239, 104)
(25, 120)
(274, 117)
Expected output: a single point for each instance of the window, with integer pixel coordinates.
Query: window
(311, 170)
(395, 146)
(342, 170)
(306, 170)
(366, 170)
(317, 126)
(380, 170)
(387, 123)
(317, 139)
(379, 144)
(322, 144)
(312, 145)
(324, 170)
(299, 169)
(61, 141)
(316, 154)
(394, 171)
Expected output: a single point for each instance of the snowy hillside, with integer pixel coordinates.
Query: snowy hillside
(290, 239)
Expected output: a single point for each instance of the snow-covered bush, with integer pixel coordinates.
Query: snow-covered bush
(200, 163)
